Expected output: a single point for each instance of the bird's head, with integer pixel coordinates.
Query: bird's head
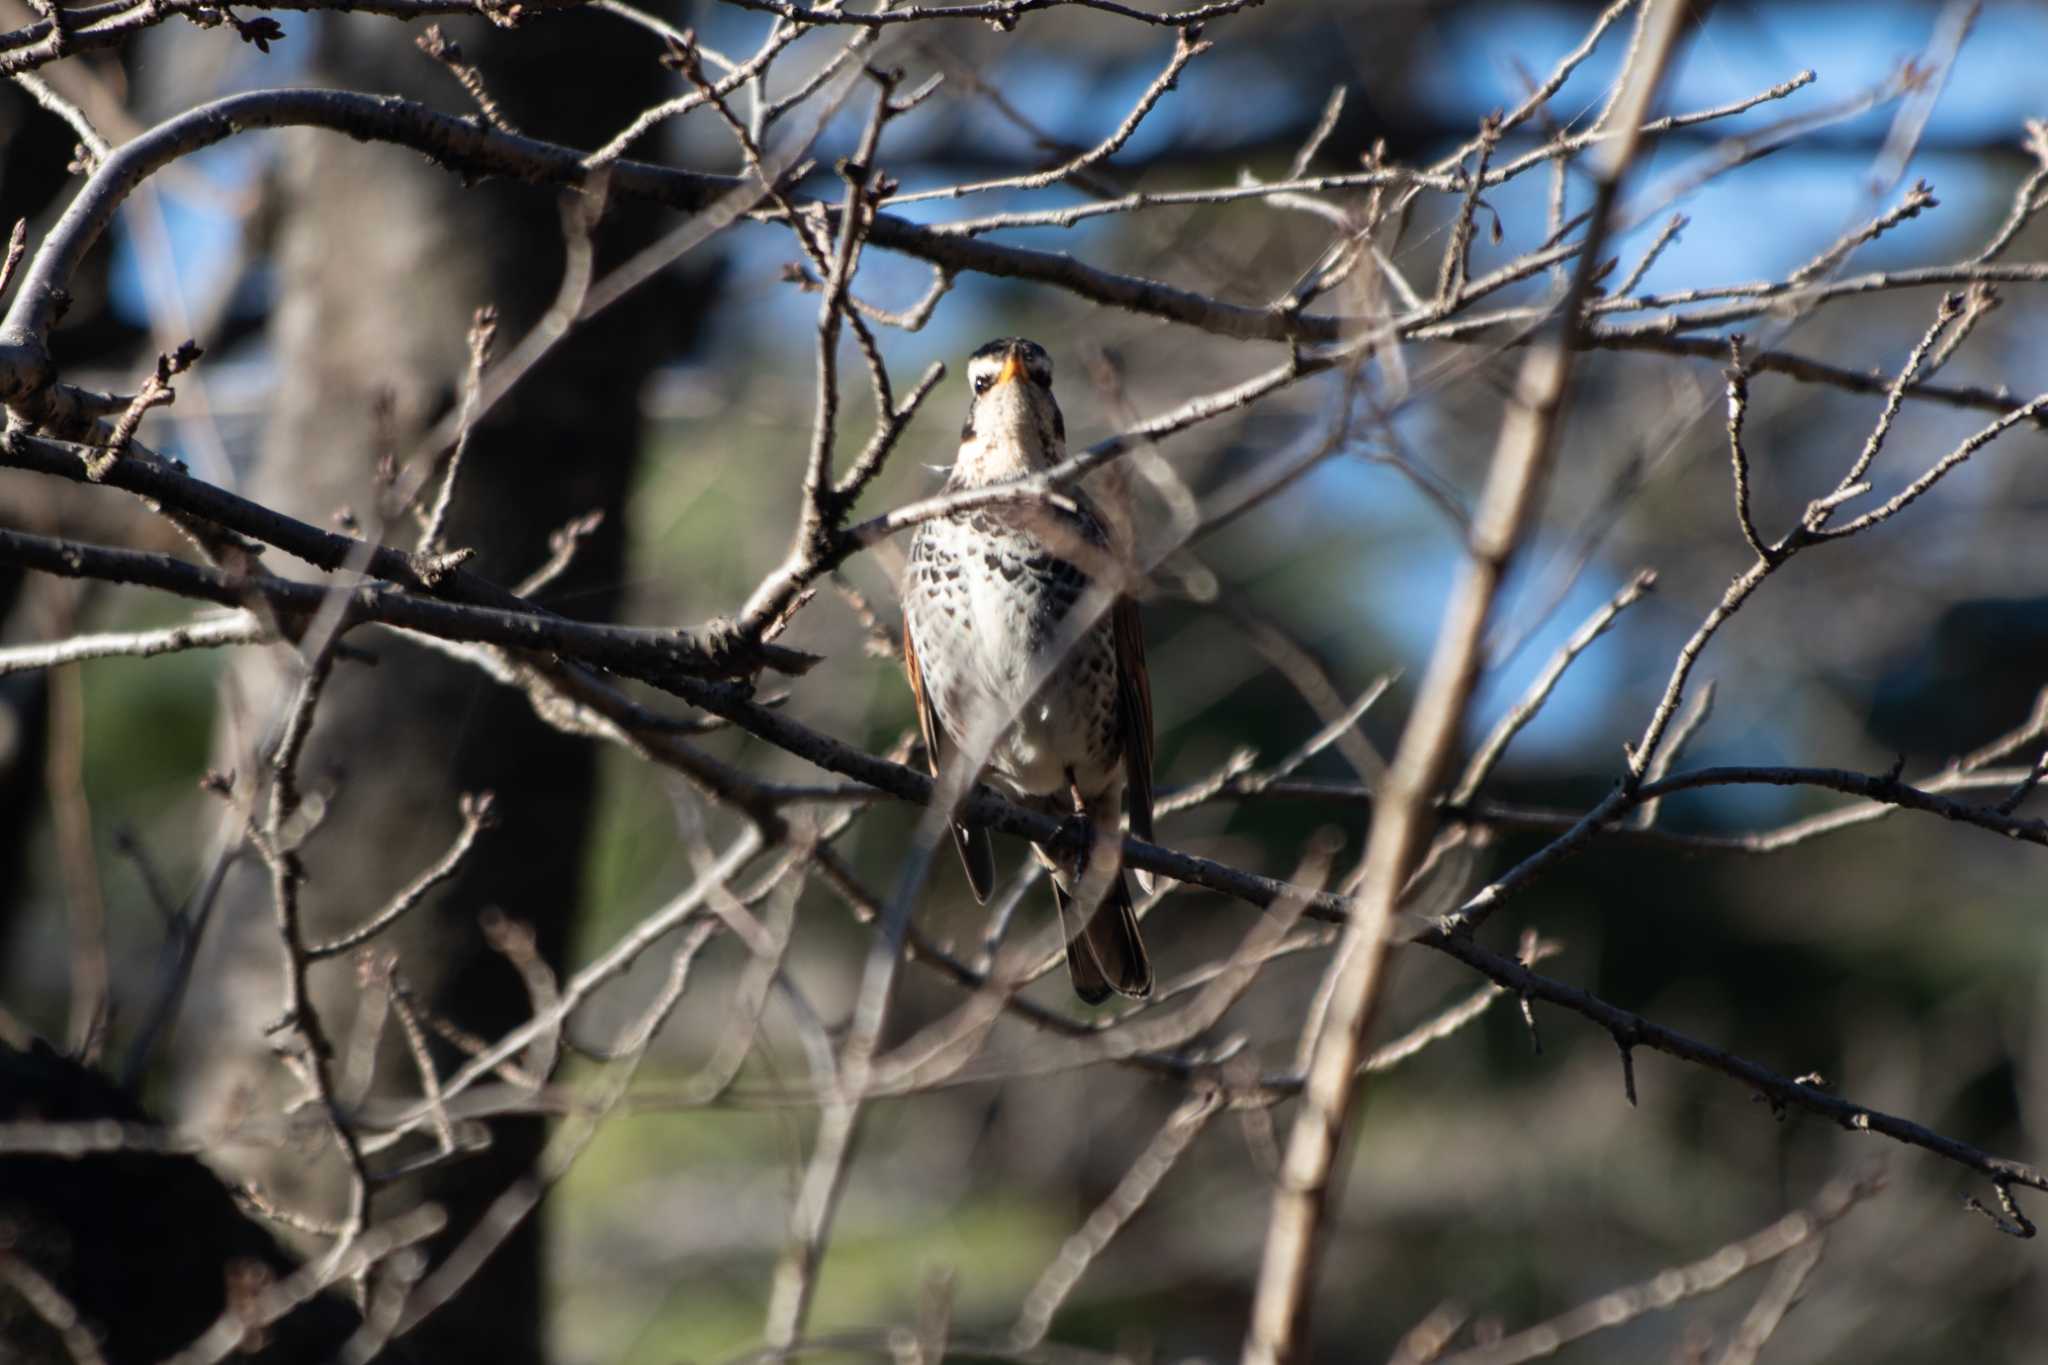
(1013, 425)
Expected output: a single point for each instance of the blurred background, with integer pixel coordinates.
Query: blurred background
(1902, 960)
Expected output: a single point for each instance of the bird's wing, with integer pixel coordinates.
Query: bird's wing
(1134, 712)
(976, 853)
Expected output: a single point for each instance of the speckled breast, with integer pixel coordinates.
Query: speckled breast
(988, 604)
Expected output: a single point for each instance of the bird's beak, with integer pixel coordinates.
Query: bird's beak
(1013, 366)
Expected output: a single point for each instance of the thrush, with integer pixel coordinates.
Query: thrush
(993, 657)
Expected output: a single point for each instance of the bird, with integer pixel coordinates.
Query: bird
(986, 640)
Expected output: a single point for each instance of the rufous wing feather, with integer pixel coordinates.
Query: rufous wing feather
(1134, 716)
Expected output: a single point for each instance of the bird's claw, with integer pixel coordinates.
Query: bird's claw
(1076, 836)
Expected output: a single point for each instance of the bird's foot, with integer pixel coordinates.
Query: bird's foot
(1074, 840)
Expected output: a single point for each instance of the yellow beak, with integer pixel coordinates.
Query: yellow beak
(1013, 366)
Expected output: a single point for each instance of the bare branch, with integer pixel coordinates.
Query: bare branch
(1920, 197)
(482, 329)
(1524, 711)
(445, 50)
(1002, 13)
(477, 816)
(642, 651)
(1936, 472)
(93, 145)
(240, 628)
(1666, 235)
(1451, 273)
(1738, 410)
(2008, 1220)
(1179, 1131)
(155, 392)
(1951, 307)
(1279, 1325)
(244, 1319)
(2027, 200)
(1186, 48)
(1761, 1323)
(1434, 1030)
(301, 1033)
(1631, 1030)
(47, 1302)
(1669, 1288)
(1811, 371)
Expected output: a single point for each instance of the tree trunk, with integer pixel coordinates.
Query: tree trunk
(381, 262)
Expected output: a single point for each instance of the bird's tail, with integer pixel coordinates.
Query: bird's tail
(1108, 954)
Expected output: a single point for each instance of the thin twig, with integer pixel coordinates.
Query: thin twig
(1765, 1316)
(2027, 200)
(1951, 307)
(1123, 1203)
(448, 53)
(303, 1035)
(1666, 235)
(48, 1303)
(1525, 710)
(1738, 411)
(1458, 252)
(477, 816)
(1186, 48)
(1918, 199)
(482, 329)
(1669, 1288)
(93, 144)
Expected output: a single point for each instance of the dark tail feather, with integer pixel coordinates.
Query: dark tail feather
(979, 858)
(1108, 955)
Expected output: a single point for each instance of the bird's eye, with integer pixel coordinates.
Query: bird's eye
(982, 381)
